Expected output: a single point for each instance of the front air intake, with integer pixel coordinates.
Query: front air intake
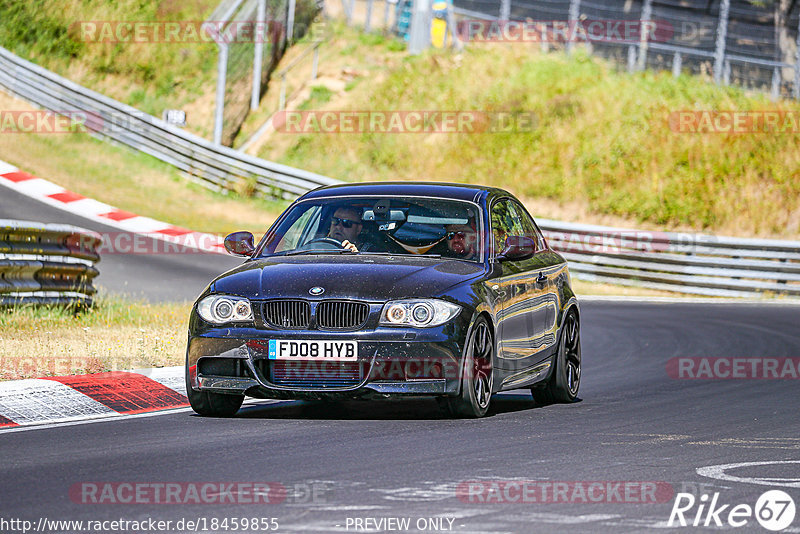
(342, 314)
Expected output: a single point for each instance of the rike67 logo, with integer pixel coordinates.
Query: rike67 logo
(774, 510)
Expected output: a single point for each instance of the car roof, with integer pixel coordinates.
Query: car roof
(430, 189)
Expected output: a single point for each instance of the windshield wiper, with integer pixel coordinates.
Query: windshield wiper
(401, 254)
(314, 252)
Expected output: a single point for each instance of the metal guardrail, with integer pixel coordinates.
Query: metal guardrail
(47, 263)
(217, 167)
(686, 262)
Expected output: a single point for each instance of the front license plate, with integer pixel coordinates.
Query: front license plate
(288, 349)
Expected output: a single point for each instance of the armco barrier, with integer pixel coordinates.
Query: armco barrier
(687, 262)
(47, 263)
(217, 167)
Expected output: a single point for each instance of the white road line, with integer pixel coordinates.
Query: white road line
(688, 300)
(719, 472)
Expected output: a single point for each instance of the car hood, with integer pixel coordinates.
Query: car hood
(364, 277)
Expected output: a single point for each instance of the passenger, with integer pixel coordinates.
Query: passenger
(462, 241)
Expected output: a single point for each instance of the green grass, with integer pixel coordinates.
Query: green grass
(601, 139)
(319, 95)
(152, 76)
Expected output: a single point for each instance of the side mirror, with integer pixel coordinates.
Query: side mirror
(240, 244)
(517, 248)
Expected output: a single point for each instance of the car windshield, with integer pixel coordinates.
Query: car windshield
(393, 225)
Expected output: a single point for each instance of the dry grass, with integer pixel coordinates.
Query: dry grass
(345, 58)
(116, 335)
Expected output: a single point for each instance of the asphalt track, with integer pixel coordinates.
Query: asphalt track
(404, 460)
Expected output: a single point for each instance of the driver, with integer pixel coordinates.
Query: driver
(345, 227)
(462, 240)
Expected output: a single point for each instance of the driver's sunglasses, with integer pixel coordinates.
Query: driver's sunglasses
(451, 235)
(345, 223)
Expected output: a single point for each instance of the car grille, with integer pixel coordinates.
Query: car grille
(302, 374)
(342, 314)
(294, 314)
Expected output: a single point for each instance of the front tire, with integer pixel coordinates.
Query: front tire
(210, 404)
(565, 379)
(477, 378)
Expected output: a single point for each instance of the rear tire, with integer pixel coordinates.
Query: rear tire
(210, 404)
(565, 378)
(477, 377)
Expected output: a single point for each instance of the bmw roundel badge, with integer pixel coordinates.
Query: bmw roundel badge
(316, 290)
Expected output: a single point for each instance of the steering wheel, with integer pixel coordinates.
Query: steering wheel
(328, 243)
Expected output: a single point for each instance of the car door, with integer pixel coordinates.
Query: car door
(521, 312)
(543, 272)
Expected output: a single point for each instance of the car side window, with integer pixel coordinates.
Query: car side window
(303, 228)
(505, 222)
(528, 227)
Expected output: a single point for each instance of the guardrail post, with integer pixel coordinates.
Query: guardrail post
(368, 17)
(505, 10)
(420, 31)
(644, 26)
(315, 62)
(574, 13)
(544, 37)
(631, 58)
(222, 73)
(797, 65)
(282, 103)
(775, 91)
(676, 64)
(290, 21)
(386, 5)
(348, 13)
(722, 35)
(258, 55)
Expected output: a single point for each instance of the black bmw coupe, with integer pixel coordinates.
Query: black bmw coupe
(389, 290)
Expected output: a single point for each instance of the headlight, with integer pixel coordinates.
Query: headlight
(221, 309)
(418, 312)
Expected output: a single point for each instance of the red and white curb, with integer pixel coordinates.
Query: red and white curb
(55, 195)
(62, 399)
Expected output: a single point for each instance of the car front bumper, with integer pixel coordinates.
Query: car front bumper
(391, 362)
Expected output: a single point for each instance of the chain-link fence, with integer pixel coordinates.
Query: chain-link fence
(252, 36)
(751, 43)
